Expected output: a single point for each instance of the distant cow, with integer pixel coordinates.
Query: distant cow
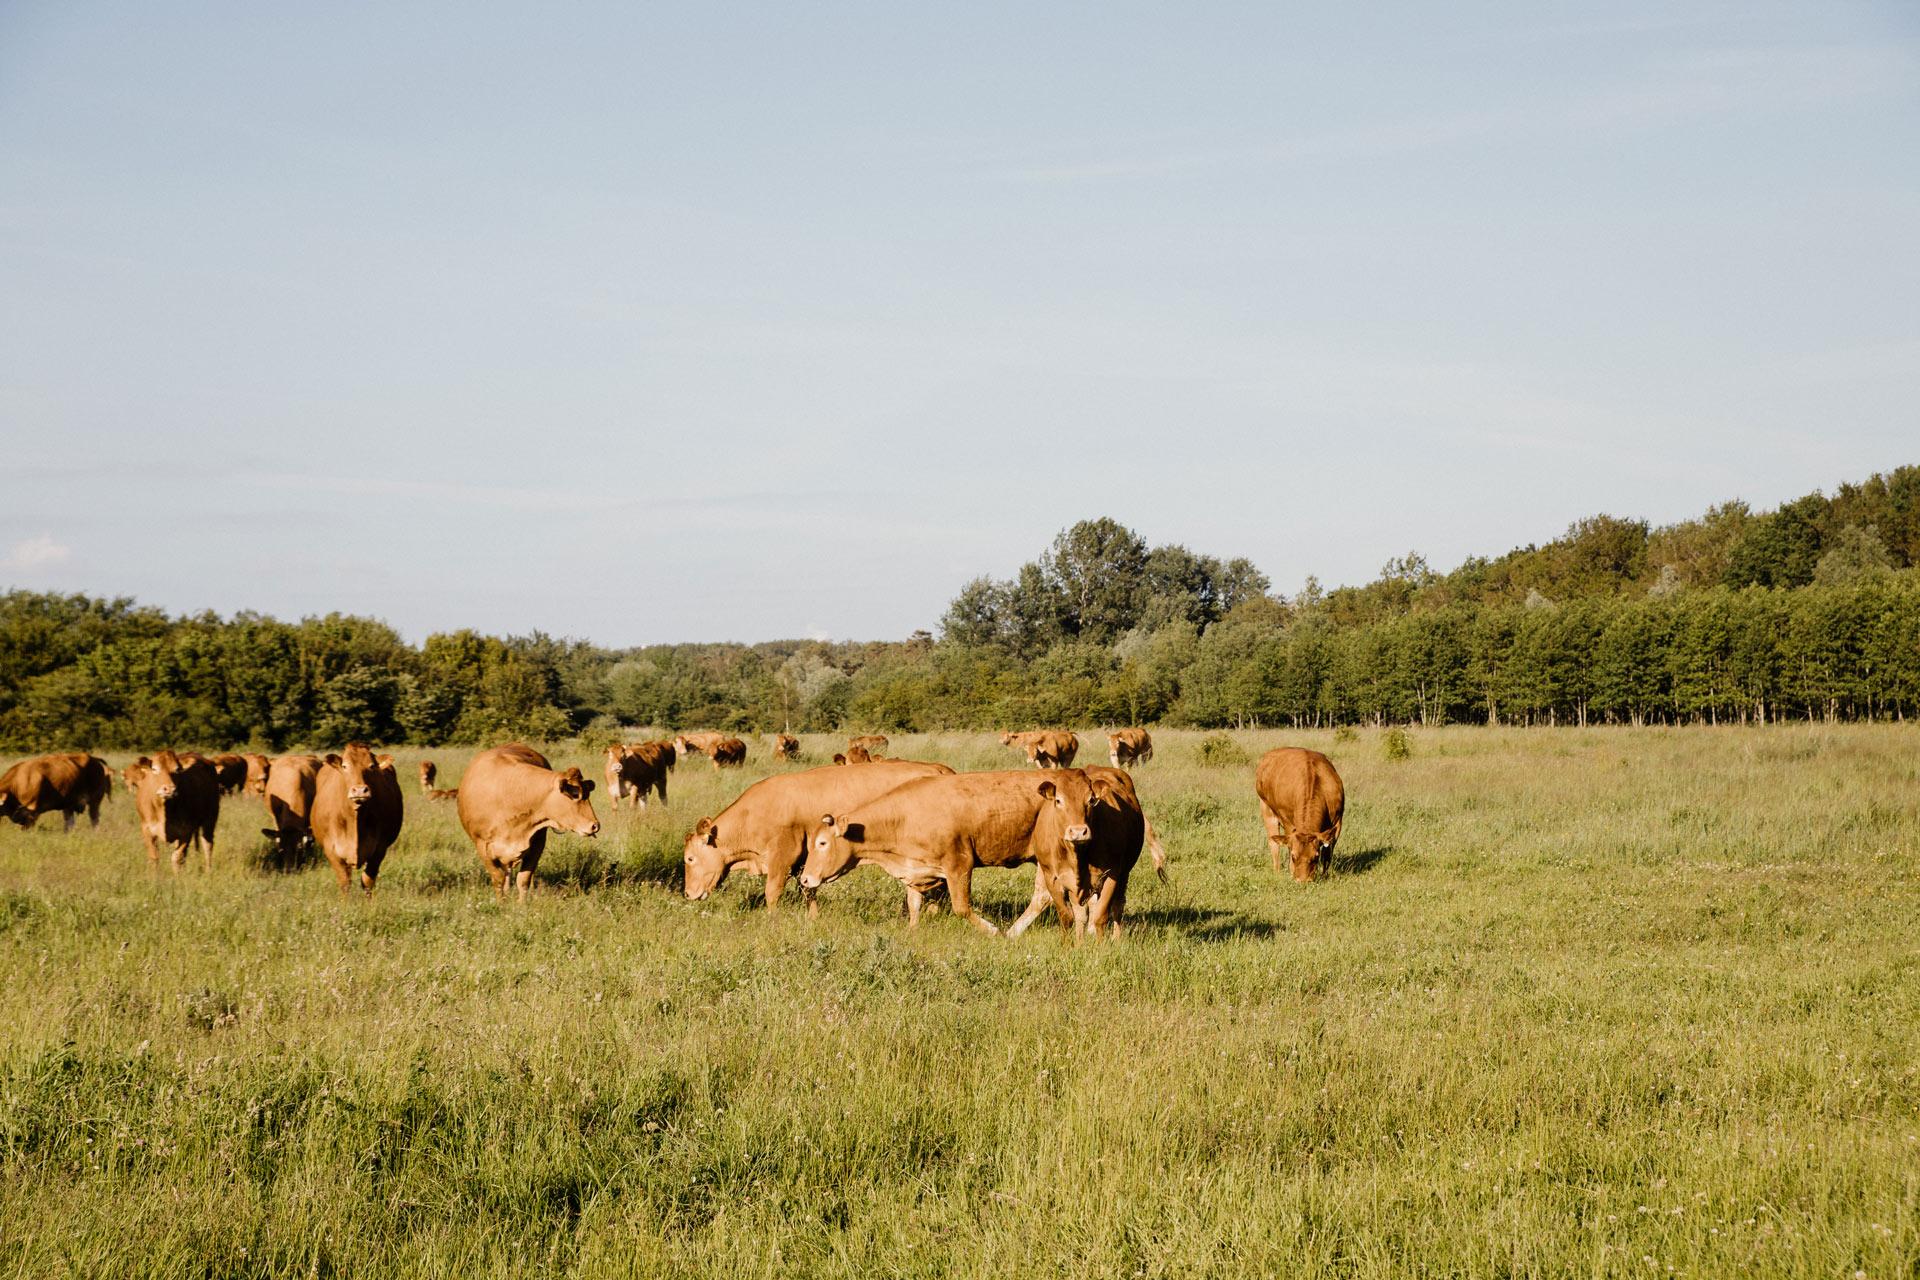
(428, 773)
(786, 746)
(636, 768)
(179, 802)
(937, 830)
(764, 831)
(1106, 861)
(1303, 804)
(872, 743)
(231, 770)
(290, 784)
(357, 811)
(1045, 748)
(724, 750)
(1128, 747)
(855, 755)
(257, 766)
(65, 783)
(509, 799)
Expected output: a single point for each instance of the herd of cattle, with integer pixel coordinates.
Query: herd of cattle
(923, 823)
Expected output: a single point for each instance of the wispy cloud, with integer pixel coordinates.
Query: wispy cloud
(37, 552)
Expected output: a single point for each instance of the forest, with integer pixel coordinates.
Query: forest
(1807, 611)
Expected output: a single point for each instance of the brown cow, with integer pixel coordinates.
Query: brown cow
(65, 783)
(509, 799)
(872, 743)
(937, 830)
(635, 768)
(764, 831)
(231, 770)
(257, 766)
(290, 784)
(429, 771)
(855, 755)
(726, 751)
(1045, 748)
(1303, 804)
(1129, 747)
(179, 803)
(1106, 861)
(356, 813)
(786, 747)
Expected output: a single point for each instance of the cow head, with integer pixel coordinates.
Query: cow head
(257, 767)
(359, 767)
(428, 773)
(1309, 853)
(838, 758)
(159, 774)
(832, 851)
(858, 755)
(1069, 796)
(709, 858)
(12, 810)
(568, 807)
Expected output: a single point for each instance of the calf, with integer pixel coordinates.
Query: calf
(1106, 861)
(786, 747)
(428, 773)
(636, 768)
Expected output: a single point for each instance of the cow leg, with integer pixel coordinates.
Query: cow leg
(179, 852)
(206, 851)
(1036, 905)
(1276, 838)
(529, 863)
(342, 873)
(960, 891)
(153, 848)
(69, 815)
(776, 884)
(1064, 886)
(369, 873)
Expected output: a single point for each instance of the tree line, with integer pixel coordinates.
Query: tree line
(1811, 610)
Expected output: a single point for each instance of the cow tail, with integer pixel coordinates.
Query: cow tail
(1157, 849)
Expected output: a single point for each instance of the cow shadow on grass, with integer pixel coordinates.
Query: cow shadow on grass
(1360, 861)
(1204, 924)
(590, 870)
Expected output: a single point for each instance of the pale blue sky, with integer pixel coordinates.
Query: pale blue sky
(700, 321)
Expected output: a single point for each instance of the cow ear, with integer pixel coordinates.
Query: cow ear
(703, 826)
(385, 762)
(333, 760)
(713, 833)
(1103, 790)
(586, 787)
(1046, 789)
(854, 831)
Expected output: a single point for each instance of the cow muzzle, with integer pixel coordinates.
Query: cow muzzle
(809, 883)
(358, 796)
(1080, 834)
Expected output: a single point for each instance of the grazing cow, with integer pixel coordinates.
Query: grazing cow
(724, 750)
(1129, 747)
(764, 831)
(786, 747)
(179, 803)
(1106, 861)
(509, 799)
(635, 768)
(1045, 748)
(257, 766)
(855, 755)
(290, 786)
(231, 770)
(356, 813)
(937, 830)
(1303, 804)
(871, 743)
(428, 773)
(64, 783)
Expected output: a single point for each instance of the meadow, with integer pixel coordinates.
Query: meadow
(1574, 1002)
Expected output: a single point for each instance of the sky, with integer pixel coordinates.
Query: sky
(661, 322)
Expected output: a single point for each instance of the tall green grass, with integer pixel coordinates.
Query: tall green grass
(1596, 1002)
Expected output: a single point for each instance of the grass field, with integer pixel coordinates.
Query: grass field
(1576, 1002)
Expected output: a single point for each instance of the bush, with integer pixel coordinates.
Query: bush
(1345, 733)
(1396, 745)
(1218, 749)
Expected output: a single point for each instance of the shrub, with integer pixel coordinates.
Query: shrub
(1218, 749)
(1396, 745)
